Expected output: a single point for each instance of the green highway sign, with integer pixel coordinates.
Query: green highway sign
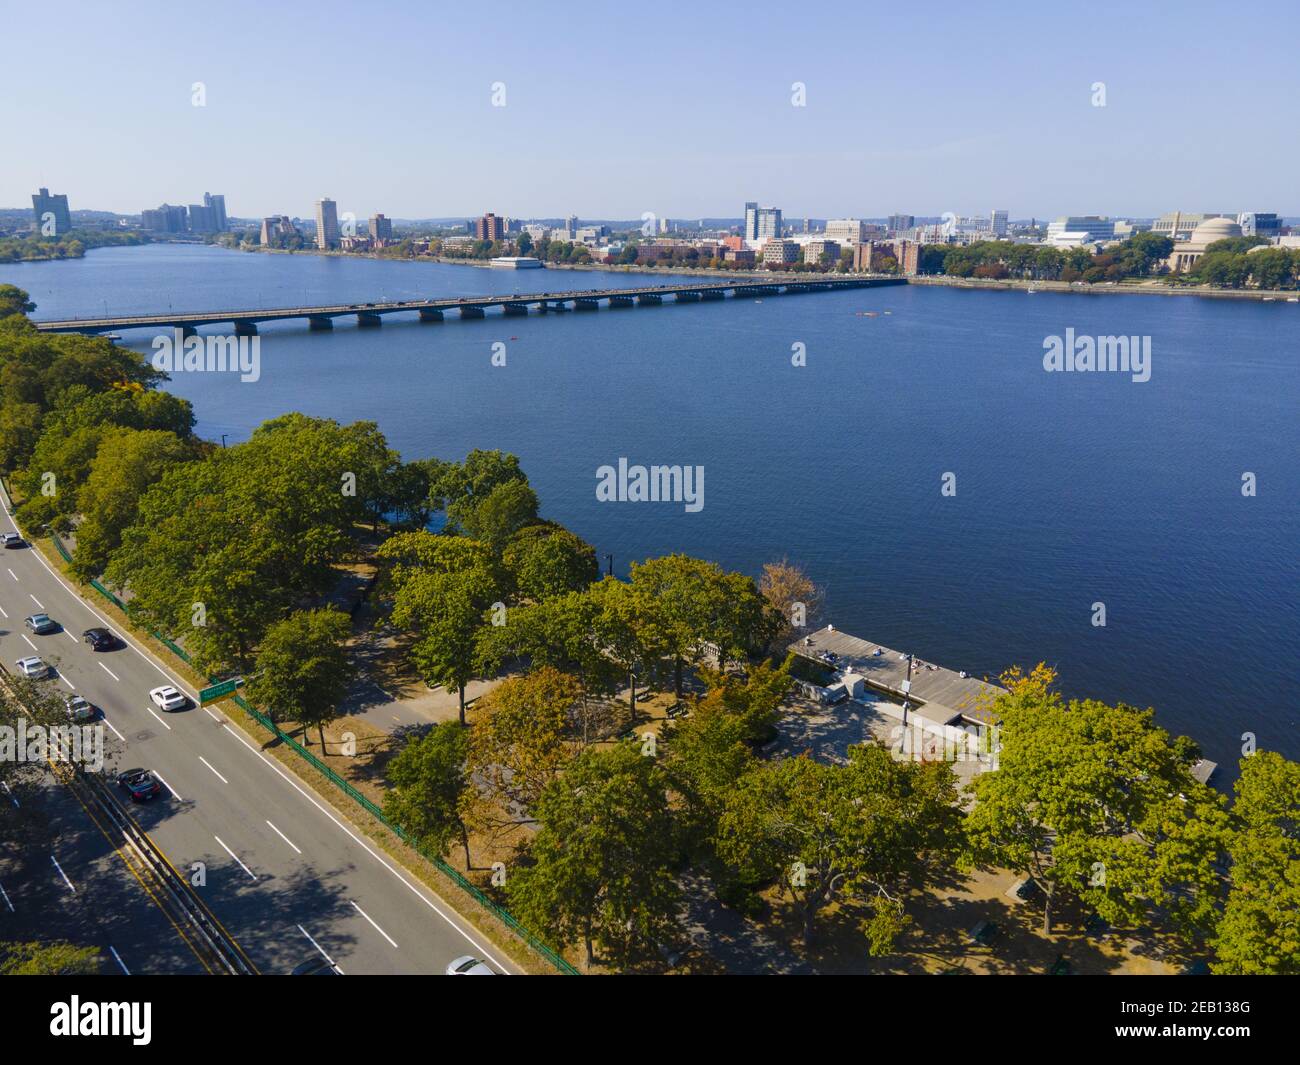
(220, 691)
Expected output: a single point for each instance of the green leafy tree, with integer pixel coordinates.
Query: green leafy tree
(429, 779)
(1259, 932)
(601, 866)
(548, 560)
(302, 668)
(55, 958)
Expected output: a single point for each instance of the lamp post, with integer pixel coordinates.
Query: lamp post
(609, 565)
(907, 690)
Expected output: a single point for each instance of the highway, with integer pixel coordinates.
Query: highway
(287, 875)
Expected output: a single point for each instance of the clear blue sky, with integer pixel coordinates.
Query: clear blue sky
(682, 109)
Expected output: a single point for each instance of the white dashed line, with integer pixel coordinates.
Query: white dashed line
(29, 642)
(158, 719)
(69, 882)
(285, 838)
(235, 856)
(321, 949)
(209, 765)
(13, 574)
(5, 895)
(37, 601)
(104, 718)
(70, 636)
(67, 682)
(373, 925)
(118, 958)
(2, 611)
(166, 785)
(109, 672)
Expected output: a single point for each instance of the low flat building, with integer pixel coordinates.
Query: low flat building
(516, 262)
(780, 253)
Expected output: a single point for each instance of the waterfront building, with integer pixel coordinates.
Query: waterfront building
(380, 228)
(813, 251)
(217, 204)
(899, 223)
(1186, 254)
(55, 206)
(165, 218)
(327, 223)
(516, 262)
(779, 252)
(998, 224)
(1072, 231)
(276, 229)
(743, 256)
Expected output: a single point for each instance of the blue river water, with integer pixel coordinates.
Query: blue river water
(1071, 488)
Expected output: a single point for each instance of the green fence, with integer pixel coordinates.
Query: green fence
(375, 811)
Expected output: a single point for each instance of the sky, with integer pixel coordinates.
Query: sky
(684, 110)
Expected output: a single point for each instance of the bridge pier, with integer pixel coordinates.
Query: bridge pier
(712, 294)
(245, 329)
(688, 297)
(471, 312)
(651, 298)
(430, 314)
(585, 305)
(319, 322)
(515, 310)
(368, 320)
(620, 301)
(560, 306)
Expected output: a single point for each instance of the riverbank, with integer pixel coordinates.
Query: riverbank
(1148, 288)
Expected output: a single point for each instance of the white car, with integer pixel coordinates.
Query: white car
(33, 667)
(469, 966)
(168, 698)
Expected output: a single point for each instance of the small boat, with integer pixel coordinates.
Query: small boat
(1293, 299)
(514, 338)
(758, 301)
(1269, 299)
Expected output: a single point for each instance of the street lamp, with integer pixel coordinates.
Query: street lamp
(609, 562)
(223, 439)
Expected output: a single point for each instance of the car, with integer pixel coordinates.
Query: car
(79, 709)
(468, 965)
(140, 784)
(317, 966)
(168, 698)
(32, 667)
(11, 540)
(41, 624)
(100, 639)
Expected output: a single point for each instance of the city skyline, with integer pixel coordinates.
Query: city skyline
(1014, 121)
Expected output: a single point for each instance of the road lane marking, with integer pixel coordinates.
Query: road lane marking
(109, 672)
(2, 611)
(37, 601)
(165, 784)
(373, 925)
(12, 574)
(211, 714)
(70, 636)
(12, 798)
(69, 882)
(158, 719)
(67, 682)
(104, 717)
(209, 765)
(5, 894)
(321, 949)
(234, 855)
(483, 951)
(285, 838)
(29, 642)
(118, 958)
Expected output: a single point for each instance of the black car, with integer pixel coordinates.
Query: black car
(140, 784)
(100, 639)
(11, 540)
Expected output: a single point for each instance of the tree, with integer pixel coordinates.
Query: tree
(1095, 801)
(523, 735)
(873, 829)
(14, 300)
(55, 958)
(1259, 932)
(429, 779)
(601, 865)
(793, 596)
(302, 668)
(547, 560)
(494, 518)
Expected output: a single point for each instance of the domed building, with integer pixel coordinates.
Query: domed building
(1185, 255)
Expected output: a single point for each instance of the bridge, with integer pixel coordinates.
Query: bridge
(245, 322)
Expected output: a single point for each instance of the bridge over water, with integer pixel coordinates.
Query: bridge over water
(371, 314)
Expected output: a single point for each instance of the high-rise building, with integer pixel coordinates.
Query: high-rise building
(381, 228)
(490, 227)
(762, 223)
(203, 219)
(998, 223)
(165, 218)
(899, 223)
(276, 229)
(327, 223)
(52, 215)
(777, 252)
(217, 204)
(846, 230)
